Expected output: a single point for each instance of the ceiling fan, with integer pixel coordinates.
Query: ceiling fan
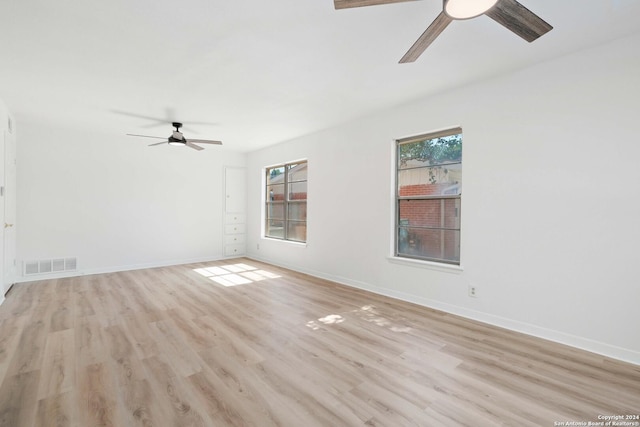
(178, 139)
(509, 13)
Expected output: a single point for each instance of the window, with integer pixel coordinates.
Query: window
(286, 202)
(428, 194)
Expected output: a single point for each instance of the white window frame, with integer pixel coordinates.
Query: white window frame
(449, 193)
(285, 202)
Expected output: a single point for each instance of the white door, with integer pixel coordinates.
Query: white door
(5, 138)
(8, 225)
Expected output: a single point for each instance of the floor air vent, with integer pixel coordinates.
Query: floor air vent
(55, 265)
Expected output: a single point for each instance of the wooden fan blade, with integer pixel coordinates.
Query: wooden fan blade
(518, 19)
(205, 141)
(345, 4)
(157, 143)
(147, 136)
(195, 147)
(429, 35)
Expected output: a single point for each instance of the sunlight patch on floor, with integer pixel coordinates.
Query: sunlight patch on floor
(367, 313)
(235, 274)
(313, 325)
(331, 319)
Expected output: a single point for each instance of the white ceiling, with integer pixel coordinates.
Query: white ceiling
(258, 72)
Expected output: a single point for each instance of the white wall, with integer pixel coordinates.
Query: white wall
(116, 203)
(550, 206)
(4, 115)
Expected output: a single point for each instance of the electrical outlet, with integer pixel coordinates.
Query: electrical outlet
(473, 291)
(258, 246)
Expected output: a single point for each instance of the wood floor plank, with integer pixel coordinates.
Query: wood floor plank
(174, 346)
(18, 399)
(97, 397)
(185, 359)
(225, 338)
(104, 306)
(10, 331)
(89, 341)
(232, 377)
(484, 398)
(196, 338)
(57, 411)
(139, 332)
(300, 391)
(140, 406)
(62, 307)
(21, 302)
(136, 398)
(384, 405)
(139, 297)
(451, 413)
(222, 408)
(173, 394)
(28, 353)
(58, 367)
(82, 304)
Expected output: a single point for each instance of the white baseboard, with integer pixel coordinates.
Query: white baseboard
(614, 352)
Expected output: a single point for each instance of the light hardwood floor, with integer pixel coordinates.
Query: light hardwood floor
(176, 347)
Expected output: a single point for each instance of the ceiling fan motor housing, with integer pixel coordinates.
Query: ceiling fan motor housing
(177, 138)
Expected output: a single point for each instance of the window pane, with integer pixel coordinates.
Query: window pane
(429, 152)
(275, 193)
(431, 244)
(274, 228)
(298, 172)
(297, 230)
(432, 213)
(298, 211)
(275, 175)
(428, 181)
(298, 191)
(275, 211)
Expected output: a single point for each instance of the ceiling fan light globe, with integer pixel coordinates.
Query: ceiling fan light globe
(467, 9)
(177, 143)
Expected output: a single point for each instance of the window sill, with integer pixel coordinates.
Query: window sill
(288, 242)
(430, 265)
